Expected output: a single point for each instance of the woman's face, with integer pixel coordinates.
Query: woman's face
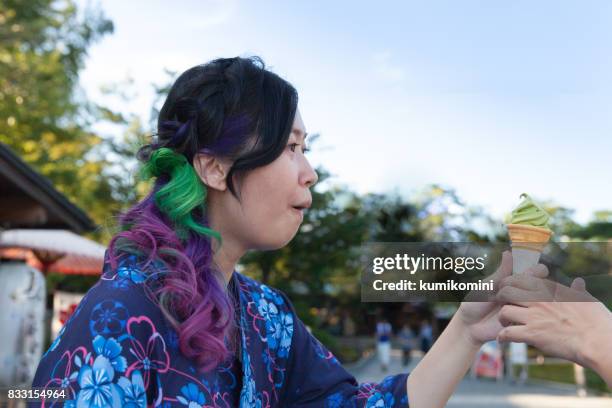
(273, 199)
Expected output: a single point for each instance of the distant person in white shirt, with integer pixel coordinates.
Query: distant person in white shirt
(383, 343)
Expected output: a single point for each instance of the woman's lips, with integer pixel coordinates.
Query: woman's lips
(298, 211)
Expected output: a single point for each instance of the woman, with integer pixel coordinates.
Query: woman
(171, 323)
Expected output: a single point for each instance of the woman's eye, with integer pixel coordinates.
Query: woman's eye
(292, 147)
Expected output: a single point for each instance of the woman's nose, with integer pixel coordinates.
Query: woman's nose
(310, 177)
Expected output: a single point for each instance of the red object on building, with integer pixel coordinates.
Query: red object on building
(65, 314)
(489, 362)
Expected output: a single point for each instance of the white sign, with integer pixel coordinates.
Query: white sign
(518, 353)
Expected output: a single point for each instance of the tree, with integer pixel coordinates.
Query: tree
(44, 116)
(599, 228)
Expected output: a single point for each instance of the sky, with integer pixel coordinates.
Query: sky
(490, 98)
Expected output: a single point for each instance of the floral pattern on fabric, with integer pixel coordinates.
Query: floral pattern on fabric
(118, 350)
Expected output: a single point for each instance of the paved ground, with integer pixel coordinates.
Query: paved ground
(489, 394)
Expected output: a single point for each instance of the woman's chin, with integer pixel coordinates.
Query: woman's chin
(281, 240)
(286, 242)
(279, 234)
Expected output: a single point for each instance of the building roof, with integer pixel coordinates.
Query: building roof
(49, 250)
(29, 199)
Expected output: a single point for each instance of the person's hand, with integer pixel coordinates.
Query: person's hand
(563, 321)
(481, 319)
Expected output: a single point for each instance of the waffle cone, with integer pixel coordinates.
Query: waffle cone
(528, 237)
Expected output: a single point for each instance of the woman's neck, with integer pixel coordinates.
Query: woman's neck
(226, 258)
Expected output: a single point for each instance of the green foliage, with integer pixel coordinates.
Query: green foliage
(594, 230)
(343, 353)
(68, 283)
(44, 117)
(564, 373)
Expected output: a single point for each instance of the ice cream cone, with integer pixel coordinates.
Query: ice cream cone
(529, 233)
(527, 243)
(528, 237)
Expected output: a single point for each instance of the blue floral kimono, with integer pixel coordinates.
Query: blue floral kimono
(117, 350)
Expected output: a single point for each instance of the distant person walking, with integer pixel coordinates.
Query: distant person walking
(406, 336)
(383, 343)
(425, 335)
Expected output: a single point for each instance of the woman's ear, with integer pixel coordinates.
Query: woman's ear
(211, 170)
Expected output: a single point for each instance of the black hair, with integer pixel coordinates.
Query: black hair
(231, 107)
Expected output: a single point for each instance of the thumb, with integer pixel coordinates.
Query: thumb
(579, 284)
(505, 267)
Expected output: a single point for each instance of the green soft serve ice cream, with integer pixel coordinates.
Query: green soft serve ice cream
(529, 213)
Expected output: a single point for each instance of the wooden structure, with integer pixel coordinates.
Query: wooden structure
(33, 212)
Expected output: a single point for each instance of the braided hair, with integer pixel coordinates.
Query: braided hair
(231, 108)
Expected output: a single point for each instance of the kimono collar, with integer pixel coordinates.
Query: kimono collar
(265, 318)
